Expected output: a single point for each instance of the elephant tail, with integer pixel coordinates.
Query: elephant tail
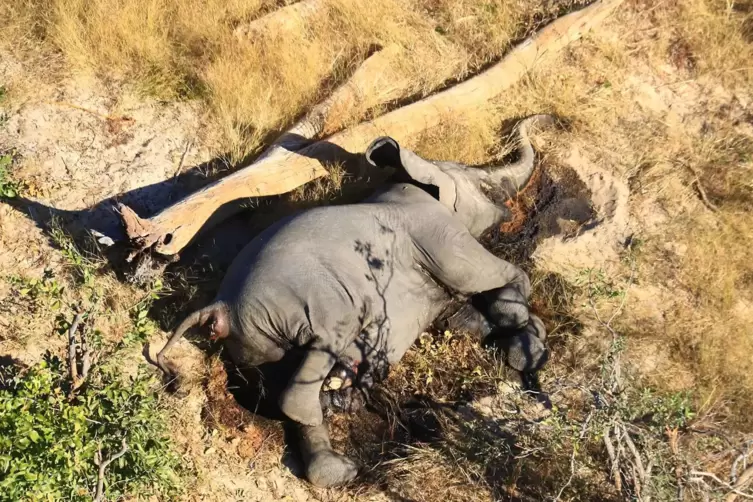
(513, 177)
(217, 313)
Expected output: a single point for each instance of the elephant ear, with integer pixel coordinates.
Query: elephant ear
(386, 152)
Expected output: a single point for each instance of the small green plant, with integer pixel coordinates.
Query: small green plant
(672, 410)
(45, 289)
(49, 440)
(9, 188)
(143, 327)
(84, 266)
(597, 284)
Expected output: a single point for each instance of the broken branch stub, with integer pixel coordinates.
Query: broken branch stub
(281, 170)
(293, 17)
(377, 81)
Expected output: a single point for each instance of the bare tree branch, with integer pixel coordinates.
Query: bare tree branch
(696, 475)
(85, 356)
(72, 362)
(745, 478)
(99, 494)
(78, 353)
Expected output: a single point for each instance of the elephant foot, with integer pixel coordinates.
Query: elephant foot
(349, 400)
(327, 469)
(324, 467)
(524, 350)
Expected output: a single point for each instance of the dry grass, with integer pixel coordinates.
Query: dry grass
(257, 85)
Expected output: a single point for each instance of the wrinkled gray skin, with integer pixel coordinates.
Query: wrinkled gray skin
(360, 282)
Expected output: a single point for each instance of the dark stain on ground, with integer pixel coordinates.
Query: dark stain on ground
(223, 410)
(555, 202)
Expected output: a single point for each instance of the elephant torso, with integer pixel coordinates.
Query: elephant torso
(352, 275)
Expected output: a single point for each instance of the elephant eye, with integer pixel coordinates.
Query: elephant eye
(495, 194)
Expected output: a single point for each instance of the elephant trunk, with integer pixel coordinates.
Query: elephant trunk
(511, 178)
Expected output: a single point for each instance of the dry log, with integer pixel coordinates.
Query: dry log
(293, 17)
(376, 82)
(169, 231)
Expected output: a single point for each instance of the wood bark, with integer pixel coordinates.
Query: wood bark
(293, 17)
(281, 170)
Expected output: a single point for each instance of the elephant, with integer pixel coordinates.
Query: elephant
(360, 282)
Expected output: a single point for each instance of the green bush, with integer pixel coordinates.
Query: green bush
(48, 440)
(9, 188)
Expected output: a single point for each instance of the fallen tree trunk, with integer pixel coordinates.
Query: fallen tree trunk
(376, 82)
(281, 170)
(292, 17)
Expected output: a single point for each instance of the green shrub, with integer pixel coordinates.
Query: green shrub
(9, 188)
(48, 440)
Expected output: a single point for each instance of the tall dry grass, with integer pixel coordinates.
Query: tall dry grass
(256, 85)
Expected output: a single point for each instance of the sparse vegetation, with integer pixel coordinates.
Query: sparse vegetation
(45, 290)
(9, 187)
(83, 264)
(651, 377)
(143, 327)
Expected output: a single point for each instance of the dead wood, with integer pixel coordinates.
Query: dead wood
(376, 82)
(78, 377)
(169, 231)
(292, 17)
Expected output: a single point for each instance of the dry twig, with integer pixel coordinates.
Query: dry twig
(78, 377)
(699, 187)
(581, 436)
(613, 458)
(741, 459)
(698, 476)
(72, 363)
(641, 475)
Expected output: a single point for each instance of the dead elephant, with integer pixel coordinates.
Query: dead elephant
(360, 282)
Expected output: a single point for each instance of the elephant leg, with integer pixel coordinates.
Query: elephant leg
(324, 466)
(457, 260)
(300, 399)
(523, 348)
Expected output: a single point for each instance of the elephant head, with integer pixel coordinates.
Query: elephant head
(477, 196)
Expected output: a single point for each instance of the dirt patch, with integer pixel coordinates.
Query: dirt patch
(556, 202)
(598, 232)
(223, 412)
(83, 143)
